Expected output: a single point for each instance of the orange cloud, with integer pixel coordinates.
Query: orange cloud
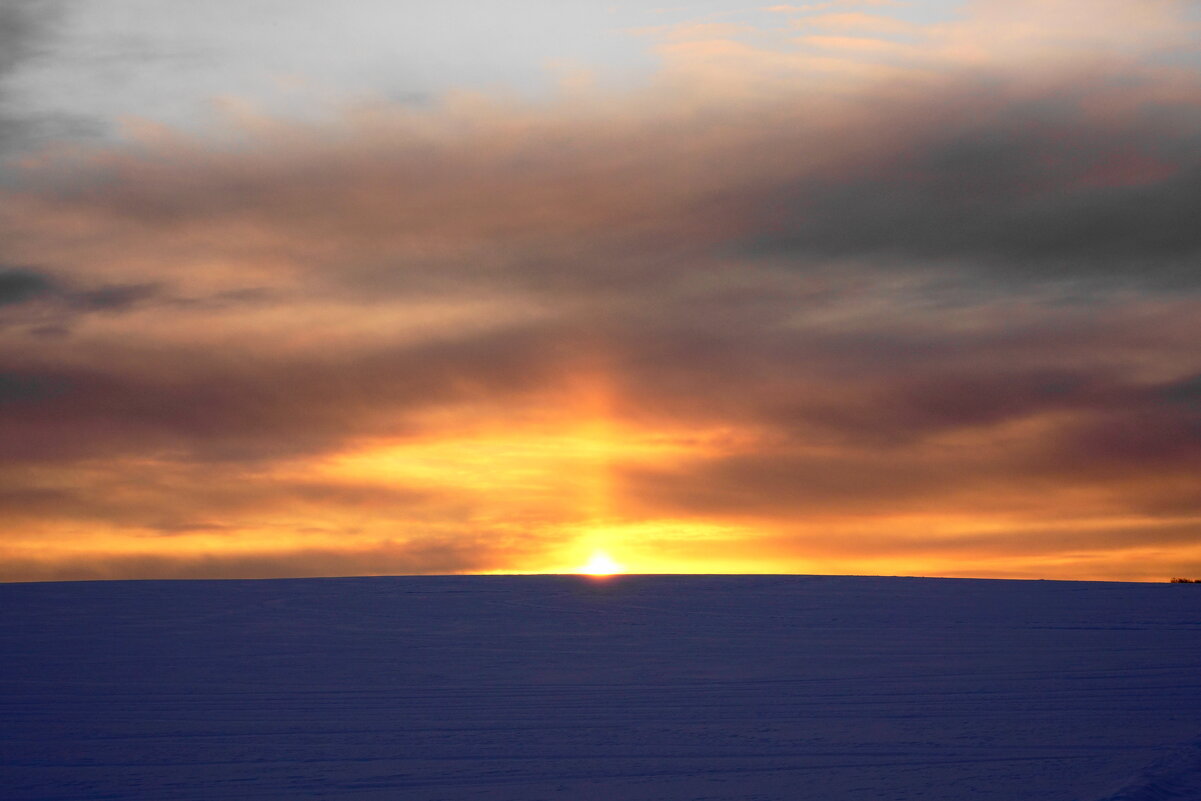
(858, 21)
(810, 7)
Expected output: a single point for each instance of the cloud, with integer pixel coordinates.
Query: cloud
(858, 21)
(1078, 171)
(1016, 201)
(26, 26)
(773, 290)
(40, 304)
(18, 285)
(811, 7)
(455, 556)
(213, 405)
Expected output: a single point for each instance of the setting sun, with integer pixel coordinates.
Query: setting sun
(601, 564)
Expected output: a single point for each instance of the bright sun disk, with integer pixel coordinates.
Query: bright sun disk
(601, 564)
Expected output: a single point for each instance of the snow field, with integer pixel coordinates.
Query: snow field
(638, 688)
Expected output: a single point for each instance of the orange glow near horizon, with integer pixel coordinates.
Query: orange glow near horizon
(544, 488)
(541, 493)
(546, 475)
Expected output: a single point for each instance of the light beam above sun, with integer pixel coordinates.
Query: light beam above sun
(600, 564)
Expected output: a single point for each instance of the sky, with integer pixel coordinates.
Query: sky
(874, 287)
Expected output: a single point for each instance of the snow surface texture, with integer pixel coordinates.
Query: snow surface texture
(654, 688)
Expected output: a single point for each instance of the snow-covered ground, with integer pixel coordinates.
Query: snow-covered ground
(641, 687)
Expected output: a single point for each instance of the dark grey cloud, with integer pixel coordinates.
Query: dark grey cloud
(37, 303)
(19, 284)
(27, 28)
(1033, 192)
(116, 297)
(23, 25)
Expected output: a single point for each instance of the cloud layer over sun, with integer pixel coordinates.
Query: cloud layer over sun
(842, 292)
